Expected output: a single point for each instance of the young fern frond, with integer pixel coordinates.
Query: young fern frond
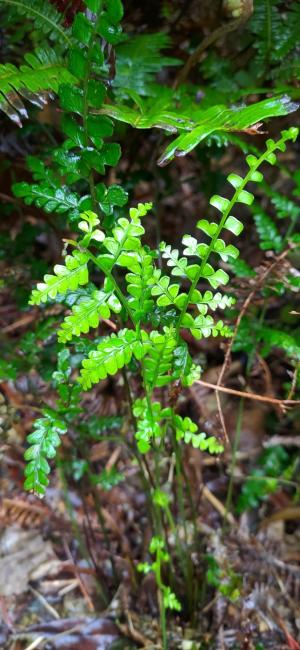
(87, 314)
(228, 221)
(43, 442)
(68, 277)
(159, 360)
(112, 354)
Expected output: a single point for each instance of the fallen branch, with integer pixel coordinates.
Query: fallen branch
(260, 398)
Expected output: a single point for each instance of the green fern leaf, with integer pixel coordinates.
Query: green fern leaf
(158, 361)
(220, 119)
(87, 314)
(42, 71)
(149, 422)
(43, 441)
(112, 354)
(51, 199)
(138, 281)
(276, 32)
(68, 277)
(186, 430)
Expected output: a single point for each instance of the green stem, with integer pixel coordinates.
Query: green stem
(162, 608)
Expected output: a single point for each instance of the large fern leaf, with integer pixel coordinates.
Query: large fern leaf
(42, 71)
(199, 123)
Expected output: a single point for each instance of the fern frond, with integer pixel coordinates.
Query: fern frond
(43, 441)
(138, 282)
(149, 422)
(50, 198)
(42, 71)
(68, 277)
(158, 361)
(213, 230)
(112, 354)
(187, 430)
(125, 237)
(44, 16)
(87, 314)
(198, 124)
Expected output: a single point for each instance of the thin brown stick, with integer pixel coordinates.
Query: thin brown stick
(81, 584)
(294, 381)
(222, 419)
(239, 393)
(244, 308)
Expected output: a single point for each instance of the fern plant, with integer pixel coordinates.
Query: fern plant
(144, 285)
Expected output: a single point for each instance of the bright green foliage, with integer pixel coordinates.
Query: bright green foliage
(112, 354)
(149, 422)
(187, 430)
(162, 355)
(87, 314)
(68, 277)
(157, 547)
(135, 310)
(159, 359)
(43, 442)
